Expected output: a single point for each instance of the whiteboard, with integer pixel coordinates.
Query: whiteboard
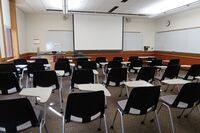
(133, 41)
(187, 40)
(59, 40)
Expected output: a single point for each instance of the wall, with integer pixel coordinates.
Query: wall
(145, 26)
(22, 31)
(186, 19)
(39, 24)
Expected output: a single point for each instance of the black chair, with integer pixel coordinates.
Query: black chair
(114, 64)
(20, 62)
(80, 62)
(155, 62)
(174, 62)
(147, 74)
(120, 59)
(188, 98)
(31, 68)
(8, 68)
(141, 101)
(17, 115)
(81, 76)
(47, 79)
(171, 72)
(84, 108)
(193, 72)
(62, 60)
(135, 64)
(9, 84)
(89, 65)
(132, 58)
(63, 65)
(99, 60)
(116, 77)
(42, 60)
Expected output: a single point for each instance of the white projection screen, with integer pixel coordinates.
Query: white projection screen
(99, 32)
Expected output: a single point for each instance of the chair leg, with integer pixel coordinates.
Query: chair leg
(61, 106)
(112, 126)
(127, 92)
(120, 92)
(27, 82)
(166, 88)
(105, 124)
(99, 128)
(170, 115)
(179, 116)
(186, 116)
(45, 126)
(157, 120)
(63, 124)
(142, 122)
(152, 120)
(122, 122)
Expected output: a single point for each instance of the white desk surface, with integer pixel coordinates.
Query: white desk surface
(162, 67)
(197, 77)
(186, 66)
(21, 66)
(166, 61)
(94, 87)
(175, 81)
(104, 63)
(137, 68)
(125, 62)
(139, 83)
(43, 93)
(72, 65)
(60, 72)
(30, 61)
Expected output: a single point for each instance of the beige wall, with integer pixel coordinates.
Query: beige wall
(39, 24)
(187, 19)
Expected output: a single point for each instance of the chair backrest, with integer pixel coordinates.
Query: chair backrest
(63, 60)
(193, 71)
(85, 105)
(9, 83)
(135, 63)
(189, 94)
(20, 62)
(41, 60)
(156, 62)
(82, 76)
(146, 74)
(34, 67)
(120, 59)
(171, 72)
(116, 75)
(144, 99)
(151, 58)
(132, 58)
(8, 68)
(114, 64)
(80, 61)
(63, 66)
(174, 62)
(89, 65)
(16, 112)
(45, 79)
(100, 59)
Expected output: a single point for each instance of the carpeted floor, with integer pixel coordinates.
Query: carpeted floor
(131, 122)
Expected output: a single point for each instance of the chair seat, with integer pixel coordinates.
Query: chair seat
(169, 99)
(122, 105)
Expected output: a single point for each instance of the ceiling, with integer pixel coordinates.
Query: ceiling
(130, 7)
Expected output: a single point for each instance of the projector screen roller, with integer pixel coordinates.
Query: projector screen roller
(97, 32)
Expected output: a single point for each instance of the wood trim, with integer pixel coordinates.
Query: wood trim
(15, 42)
(3, 32)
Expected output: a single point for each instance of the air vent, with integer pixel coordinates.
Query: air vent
(114, 8)
(123, 1)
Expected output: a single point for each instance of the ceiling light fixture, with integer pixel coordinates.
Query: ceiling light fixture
(75, 4)
(65, 8)
(164, 6)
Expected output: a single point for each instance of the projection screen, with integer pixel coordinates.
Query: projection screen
(99, 32)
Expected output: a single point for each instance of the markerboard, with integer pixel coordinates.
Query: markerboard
(185, 40)
(59, 40)
(133, 41)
